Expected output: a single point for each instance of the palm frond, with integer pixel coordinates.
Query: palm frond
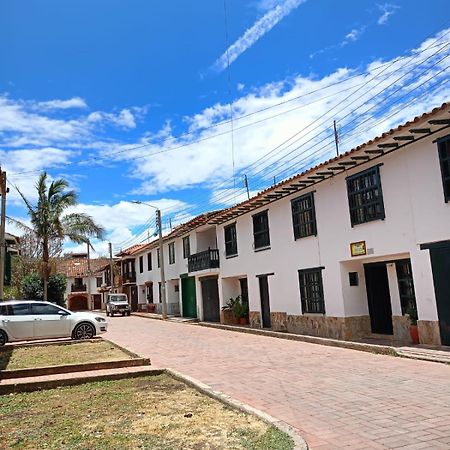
(81, 224)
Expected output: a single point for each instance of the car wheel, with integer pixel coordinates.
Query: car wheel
(84, 331)
(123, 314)
(107, 314)
(111, 314)
(3, 338)
(128, 313)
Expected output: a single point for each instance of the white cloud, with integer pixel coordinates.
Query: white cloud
(256, 31)
(74, 102)
(387, 10)
(353, 36)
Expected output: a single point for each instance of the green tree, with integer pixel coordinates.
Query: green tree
(50, 220)
(33, 287)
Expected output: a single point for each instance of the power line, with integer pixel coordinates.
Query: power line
(130, 149)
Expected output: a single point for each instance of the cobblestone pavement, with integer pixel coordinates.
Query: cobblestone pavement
(336, 398)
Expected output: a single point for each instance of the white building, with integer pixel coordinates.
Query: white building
(343, 250)
(84, 280)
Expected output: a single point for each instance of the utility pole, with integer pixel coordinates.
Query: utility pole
(161, 265)
(89, 274)
(111, 266)
(336, 138)
(246, 185)
(3, 191)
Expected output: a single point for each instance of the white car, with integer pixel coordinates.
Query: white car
(22, 320)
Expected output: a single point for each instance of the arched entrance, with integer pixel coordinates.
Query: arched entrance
(77, 303)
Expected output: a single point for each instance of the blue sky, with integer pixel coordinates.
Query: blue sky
(83, 84)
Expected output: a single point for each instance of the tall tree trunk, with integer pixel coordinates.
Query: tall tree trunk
(45, 259)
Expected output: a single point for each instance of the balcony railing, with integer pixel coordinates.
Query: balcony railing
(129, 277)
(209, 259)
(78, 288)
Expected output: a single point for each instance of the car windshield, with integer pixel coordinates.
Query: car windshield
(118, 298)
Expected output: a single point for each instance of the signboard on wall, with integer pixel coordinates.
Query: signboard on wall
(358, 248)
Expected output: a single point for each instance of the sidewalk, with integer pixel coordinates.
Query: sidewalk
(421, 352)
(159, 317)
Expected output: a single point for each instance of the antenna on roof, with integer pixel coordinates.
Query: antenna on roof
(336, 138)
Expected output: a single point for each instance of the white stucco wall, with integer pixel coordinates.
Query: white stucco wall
(415, 213)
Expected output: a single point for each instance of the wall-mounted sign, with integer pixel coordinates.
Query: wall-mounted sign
(358, 248)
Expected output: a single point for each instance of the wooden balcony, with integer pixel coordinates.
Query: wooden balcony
(78, 288)
(208, 259)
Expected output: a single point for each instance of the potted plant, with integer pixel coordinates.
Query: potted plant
(237, 309)
(413, 331)
(243, 319)
(151, 307)
(228, 309)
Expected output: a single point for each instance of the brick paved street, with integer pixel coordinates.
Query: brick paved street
(336, 398)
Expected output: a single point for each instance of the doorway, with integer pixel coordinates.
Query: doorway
(440, 262)
(265, 302)
(210, 296)
(134, 298)
(188, 297)
(379, 298)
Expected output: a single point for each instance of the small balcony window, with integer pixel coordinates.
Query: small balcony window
(172, 253)
(304, 216)
(311, 290)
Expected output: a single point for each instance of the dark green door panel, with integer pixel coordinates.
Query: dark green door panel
(189, 299)
(440, 261)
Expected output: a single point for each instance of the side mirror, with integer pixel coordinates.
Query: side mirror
(62, 313)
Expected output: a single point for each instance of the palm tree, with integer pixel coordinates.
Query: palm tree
(50, 223)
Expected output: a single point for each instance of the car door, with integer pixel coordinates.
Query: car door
(50, 321)
(17, 321)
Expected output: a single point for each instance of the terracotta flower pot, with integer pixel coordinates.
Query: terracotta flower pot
(414, 333)
(243, 321)
(151, 308)
(235, 320)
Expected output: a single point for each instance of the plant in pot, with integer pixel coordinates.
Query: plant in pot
(237, 309)
(151, 307)
(243, 319)
(413, 331)
(228, 310)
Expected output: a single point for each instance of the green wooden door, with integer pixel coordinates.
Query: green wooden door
(189, 299)
(440, 261)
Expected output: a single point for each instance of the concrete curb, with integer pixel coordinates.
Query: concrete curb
(70, 368)
(299, 442)
(370, 348)
(30, 386)
(47, 342)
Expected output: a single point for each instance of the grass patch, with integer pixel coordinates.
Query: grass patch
(154, 412)
(55, 355)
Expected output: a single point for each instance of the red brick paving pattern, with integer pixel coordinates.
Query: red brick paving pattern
(336, 398)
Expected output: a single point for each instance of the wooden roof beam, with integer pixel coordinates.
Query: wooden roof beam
(374, 152)
(403, 138)
(347, 163)
(388, 145)
(420, 130)
(360, 158)
(439, 122)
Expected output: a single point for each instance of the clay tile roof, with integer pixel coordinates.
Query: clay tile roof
(131, 250)
(252, 203)
(77, 266)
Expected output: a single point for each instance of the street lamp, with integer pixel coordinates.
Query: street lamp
(161, 257)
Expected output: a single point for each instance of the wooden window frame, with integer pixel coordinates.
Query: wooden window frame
(171, 247)
(149, 262)
(266, 231)
(359, 198)
(231, 248)
(443, 145)
(186, 248)
(311, 290)
(304, 216)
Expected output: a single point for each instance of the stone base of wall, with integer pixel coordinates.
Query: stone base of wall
(278, 321)
(429, 332)
(227, 318)
(173, 309)
(345, 328)
(400, 325)
(255, 319)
